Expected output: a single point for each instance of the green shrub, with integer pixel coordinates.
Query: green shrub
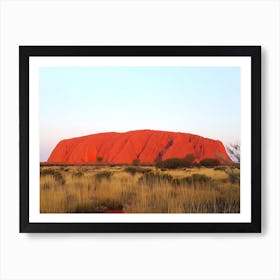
(135, 169)
(136, 161)
(99, 159)
(189, 159)
(209, 162)
(131, 170)
(173, 163)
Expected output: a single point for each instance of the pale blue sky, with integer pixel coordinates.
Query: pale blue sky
(76, 101)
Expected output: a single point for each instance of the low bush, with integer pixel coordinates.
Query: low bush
(163, 169)
(189, 158)
(173, 163)
(135, 169)
(209, 162)
(136, 161)
(99, 159)
(197, 165)
(131, 170)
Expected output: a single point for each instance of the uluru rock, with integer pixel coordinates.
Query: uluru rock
(147, 146)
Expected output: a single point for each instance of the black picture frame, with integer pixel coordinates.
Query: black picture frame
(254, 52)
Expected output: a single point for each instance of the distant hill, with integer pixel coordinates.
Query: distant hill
(145, 146)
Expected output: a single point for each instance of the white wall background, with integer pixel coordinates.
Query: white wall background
(139, 256)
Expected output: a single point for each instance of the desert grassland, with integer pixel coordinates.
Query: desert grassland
(139, 189)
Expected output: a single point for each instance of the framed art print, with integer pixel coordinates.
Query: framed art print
(140, 138)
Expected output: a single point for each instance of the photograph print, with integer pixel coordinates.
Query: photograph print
(139, 139)
(133, 139)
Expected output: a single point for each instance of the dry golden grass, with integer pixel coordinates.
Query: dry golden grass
(98, 189)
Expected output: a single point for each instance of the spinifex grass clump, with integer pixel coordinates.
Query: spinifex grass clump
(199, 178)
(151, 179)
(78, 174)
(103, 175)
(54, 173)
(233, 177)
(194, 179)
